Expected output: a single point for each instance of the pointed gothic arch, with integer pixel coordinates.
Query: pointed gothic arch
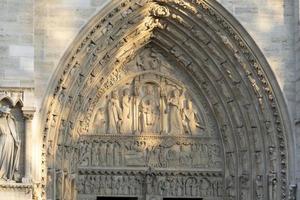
(213, 58)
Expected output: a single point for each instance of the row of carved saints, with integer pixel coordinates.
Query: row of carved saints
(170, 113)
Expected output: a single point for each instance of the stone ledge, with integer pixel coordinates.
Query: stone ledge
(14, 186)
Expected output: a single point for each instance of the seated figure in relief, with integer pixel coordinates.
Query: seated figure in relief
(149, 112)
(9, 145)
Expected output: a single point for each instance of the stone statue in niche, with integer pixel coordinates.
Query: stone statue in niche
(114, 113)
(9, 145)
(190, 118)
(149, 111)
(126, 126)
(174, 110)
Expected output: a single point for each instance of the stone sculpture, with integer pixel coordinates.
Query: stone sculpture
(149, 116)
(126, 126)
(191, 119)
(9, 145)
(174, 111)
(114, 113)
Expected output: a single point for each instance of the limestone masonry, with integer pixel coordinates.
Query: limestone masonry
(149, 99)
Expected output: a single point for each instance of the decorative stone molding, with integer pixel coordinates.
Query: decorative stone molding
(201, 46)
(28, 113)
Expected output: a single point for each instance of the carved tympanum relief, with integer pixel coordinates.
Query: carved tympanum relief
(145, 107)
(152, 120)
(168, 185)
(148, 151)
(131, 107)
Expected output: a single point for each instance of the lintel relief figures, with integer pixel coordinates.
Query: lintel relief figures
(148, 107)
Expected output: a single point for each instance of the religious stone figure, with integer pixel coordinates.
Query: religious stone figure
(9, 145)
(175, 117)
(127, 113)
(59, 184)
(67, 195)
(191, 119)
(100, 121)
(272, 183)
(149, 112)
(114, 113)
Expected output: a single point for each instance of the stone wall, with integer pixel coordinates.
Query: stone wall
(16, 43)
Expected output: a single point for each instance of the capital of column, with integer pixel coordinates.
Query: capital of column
(28, 113)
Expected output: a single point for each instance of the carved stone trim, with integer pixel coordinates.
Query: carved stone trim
(203, 54)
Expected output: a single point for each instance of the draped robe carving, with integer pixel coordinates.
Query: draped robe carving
(9, 145)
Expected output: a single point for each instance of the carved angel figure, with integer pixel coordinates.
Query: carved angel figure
(9, 145)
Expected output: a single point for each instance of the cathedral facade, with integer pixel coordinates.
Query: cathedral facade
(149, 100)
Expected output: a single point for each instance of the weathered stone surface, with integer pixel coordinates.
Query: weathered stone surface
(34, 35)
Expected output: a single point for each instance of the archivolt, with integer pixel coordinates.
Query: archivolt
(220, 57)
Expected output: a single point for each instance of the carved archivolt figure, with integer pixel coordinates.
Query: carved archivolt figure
(191, 120)
(175, 117)
(114, 113)
(9, 145)
(127, 113)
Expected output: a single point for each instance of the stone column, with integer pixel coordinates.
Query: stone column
(28, 116)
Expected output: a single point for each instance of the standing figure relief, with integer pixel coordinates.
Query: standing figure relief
(148, 108)
(175, 122)
(126, 126)
(10, 145)
(114, 114)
